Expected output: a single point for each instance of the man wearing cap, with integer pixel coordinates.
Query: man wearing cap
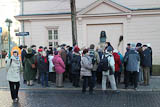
(110, 72)
(24, 52)
(146, 63)
(132, 60)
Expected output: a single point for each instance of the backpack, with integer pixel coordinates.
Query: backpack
(104, 65)
(92, 55)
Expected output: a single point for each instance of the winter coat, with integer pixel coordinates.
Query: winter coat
(146, 59)
(50, 58)
(76, 63)
(43, 66)
(117, 61)
(121, 58)
(69, 58)
(13, 68)
(63, 54)
(29, 72)
(140, 51)
(111, 63)
(23, 55)
(59, 65)
(86, 66)
(132, 60)
(95, 66)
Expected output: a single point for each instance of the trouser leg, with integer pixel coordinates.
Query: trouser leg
(104, 80)
(116, 77)
(84, 84)
(119, 77)
(112, 81)
(17, 89)
(46, 78)
(94, 78)
(42, 79)
(77, 80)
(90, 82)
(135, 78)
(11, 84)
(127, 78)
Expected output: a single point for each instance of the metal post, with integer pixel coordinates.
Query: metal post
(22, 3)
(9, 42)
(74, 24)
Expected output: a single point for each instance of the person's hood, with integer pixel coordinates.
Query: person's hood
(14, 58)
(29, 55)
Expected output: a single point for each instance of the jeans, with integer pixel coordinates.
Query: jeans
(87, 80)
(94, 78)
(76, 79)
(117, 76)
(14, 88)
(44, 78)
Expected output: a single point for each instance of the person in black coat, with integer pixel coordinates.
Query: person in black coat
(76, 67)
(146, 64)
(23, 54)
(44, 69)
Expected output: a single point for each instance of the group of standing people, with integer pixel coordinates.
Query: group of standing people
(91, 65)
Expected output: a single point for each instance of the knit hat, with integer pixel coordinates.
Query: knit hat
(40, 50)
(76, 49)
(139, 45)
(109, 49)
(29, 51)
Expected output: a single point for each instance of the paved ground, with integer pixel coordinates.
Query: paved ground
(36, 96)
(66, 98)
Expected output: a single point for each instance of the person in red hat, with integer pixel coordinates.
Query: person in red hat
(76, 67)
(40, 50)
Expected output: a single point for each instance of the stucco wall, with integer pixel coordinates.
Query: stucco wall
(145, 29)
(39, 31)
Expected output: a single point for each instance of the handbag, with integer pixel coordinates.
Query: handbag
(32, 65)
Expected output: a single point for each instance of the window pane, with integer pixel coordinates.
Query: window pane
(55, 31)
(50, 44)
(50, 34)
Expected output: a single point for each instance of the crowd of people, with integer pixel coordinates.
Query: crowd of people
(93, 66)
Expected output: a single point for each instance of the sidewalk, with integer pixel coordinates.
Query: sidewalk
(154, 84)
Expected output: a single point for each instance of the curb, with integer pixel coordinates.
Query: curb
(79, 89)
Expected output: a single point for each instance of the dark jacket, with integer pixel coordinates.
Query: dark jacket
(29, 72)
(43, 66)
(69, 58)
(146, 60)
(23, 55)
(140, 51)
(132, 59)
(76, 64)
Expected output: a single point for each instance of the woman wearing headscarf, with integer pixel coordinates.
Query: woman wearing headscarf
(13, 75)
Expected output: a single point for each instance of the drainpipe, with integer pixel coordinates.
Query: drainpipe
(22, 25)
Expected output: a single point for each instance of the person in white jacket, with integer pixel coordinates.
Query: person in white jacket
(109, 73)
(13, 75)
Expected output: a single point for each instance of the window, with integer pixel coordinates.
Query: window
(55, 34)
(50, 44)
(53, 37)
(50, 34)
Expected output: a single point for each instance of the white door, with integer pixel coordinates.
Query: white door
(113, 33)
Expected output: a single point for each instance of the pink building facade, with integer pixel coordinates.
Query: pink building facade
(49, 23)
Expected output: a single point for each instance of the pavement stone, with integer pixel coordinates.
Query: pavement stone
(68, 98)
